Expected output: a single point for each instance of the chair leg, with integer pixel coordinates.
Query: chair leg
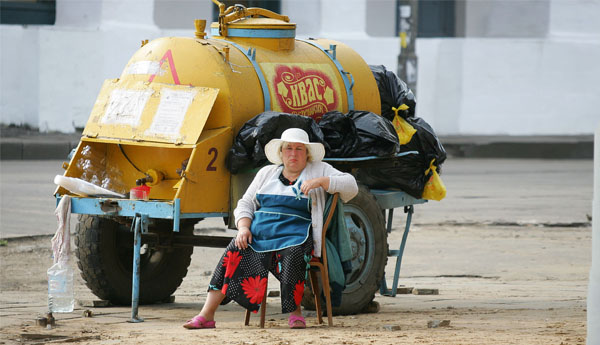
(263, 307)
(247, 320)
(326, 290)
(314, 284)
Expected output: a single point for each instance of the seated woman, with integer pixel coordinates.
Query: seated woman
(275, 218)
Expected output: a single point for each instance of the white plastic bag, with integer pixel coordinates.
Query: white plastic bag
(60, 275)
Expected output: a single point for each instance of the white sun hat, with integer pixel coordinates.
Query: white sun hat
(293, 135)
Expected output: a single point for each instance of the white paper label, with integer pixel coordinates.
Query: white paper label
(405, 11)
(125, 106)
(145, 67)
(171, 111)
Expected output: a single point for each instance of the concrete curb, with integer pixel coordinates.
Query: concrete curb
(540, 150)
(529, 147)
(35, 150)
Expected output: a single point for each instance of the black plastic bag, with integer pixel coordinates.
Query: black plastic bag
(376, 135)
(248, 152)
(340, 133)
(393, 93)
(426, 142)
(409, 175)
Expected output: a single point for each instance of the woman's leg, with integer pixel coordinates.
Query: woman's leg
(213, 300)
(298, 311)
(240, 275)
(215, 296)
(290, 268)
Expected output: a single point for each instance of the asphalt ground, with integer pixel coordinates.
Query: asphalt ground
(513, 192)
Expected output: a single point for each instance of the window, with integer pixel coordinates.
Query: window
(436, 18)
(28, 12)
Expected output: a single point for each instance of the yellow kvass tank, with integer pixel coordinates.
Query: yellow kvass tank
(189, 97)
(170, 119)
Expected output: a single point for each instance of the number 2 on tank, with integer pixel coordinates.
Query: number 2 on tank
(210, 166)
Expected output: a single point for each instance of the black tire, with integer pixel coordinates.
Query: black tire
(368, 237)
(105, 250)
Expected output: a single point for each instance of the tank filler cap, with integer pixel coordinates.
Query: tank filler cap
(239, 21)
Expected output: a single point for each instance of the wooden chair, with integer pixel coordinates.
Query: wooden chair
(321, 264)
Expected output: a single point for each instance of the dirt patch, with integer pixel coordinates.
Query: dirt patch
(497, 285)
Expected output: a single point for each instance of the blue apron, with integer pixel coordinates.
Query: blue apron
(283, 219)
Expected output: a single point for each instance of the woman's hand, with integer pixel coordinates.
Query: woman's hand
(244, 236)
(311, 184)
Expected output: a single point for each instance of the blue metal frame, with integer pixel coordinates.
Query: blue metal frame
(130, 208)
(360, 159)
(141, 211)
(138, 226)
(388, 200)
(331, 54)
(251, 55)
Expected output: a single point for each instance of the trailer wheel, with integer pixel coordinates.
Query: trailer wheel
(365, 223)
(105, 251)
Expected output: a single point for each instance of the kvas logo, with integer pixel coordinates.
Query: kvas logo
(307, 92)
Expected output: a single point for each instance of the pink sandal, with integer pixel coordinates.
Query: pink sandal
(198, 322)
(293, 319)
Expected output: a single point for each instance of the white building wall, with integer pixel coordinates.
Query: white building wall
(522, 85)
(575, 19)
(19, 77)
(517, 86)
(506, 86)
(493, 18)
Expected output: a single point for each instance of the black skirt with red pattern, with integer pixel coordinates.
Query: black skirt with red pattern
(242, 274)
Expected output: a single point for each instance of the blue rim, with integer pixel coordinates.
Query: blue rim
(251, 56)
(362, 239)
(257, 33)
(348, 85)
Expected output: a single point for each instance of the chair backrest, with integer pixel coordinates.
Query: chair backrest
(332, 208)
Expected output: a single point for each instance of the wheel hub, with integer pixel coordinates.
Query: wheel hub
(362, 243)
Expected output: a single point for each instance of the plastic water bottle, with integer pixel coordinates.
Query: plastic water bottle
(60, 288)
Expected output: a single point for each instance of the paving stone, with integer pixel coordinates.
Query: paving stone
(425, 292)
(438, 323)
(391, 327)
(95, 303)
(403, 290)
(273, 293)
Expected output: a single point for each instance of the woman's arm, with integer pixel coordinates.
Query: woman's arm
(248, 204)
(311, 184)
(340, 182)
(244, 236)
(332, 181)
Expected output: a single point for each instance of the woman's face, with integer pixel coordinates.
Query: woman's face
(294, 156)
